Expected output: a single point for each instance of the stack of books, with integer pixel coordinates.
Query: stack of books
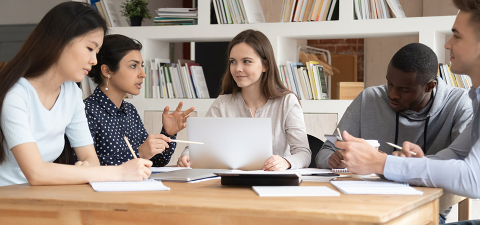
(238, 11)
(452, 79)
(378, 9)
(184, 79)
(308, 81)
(308, 10)
(175, 16)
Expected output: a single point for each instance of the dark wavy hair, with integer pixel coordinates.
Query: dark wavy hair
(114, 48)
(43, 47)
(272, 86)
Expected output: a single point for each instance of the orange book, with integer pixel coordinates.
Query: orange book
(317, 5)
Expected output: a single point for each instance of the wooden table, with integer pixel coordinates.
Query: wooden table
(209, 203)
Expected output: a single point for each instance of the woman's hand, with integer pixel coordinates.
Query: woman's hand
(276, 163)
(135, 170)
(184, 161)
(175, 122)
(155, 144)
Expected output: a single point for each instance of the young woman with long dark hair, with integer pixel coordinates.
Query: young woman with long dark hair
(40, 103)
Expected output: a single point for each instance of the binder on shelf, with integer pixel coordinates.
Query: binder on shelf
(189, 71)
(323, 82)
(200, 83)
(331, 10)
(253, 11)
(227, 11)
(112, 8)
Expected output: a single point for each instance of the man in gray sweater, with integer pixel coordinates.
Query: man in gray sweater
(415, 105)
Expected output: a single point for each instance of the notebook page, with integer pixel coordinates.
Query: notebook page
(146, 185)
(294, 191)
(375, 188)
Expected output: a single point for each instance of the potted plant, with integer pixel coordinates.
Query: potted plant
(136, 10)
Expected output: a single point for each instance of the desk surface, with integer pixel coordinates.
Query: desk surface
(210, 202)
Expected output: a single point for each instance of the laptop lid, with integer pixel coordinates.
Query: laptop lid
(230, 143)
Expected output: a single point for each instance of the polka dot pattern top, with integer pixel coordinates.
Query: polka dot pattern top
(108, 125)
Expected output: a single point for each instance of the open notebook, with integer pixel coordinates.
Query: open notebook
(146, 185)
(374, 188)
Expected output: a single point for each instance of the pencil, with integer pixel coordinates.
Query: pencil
(130, 147)
(398, 147)
(188, 142)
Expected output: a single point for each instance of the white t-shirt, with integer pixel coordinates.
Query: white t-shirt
(24, 119)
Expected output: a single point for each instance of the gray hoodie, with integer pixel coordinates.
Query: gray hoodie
(370, 117)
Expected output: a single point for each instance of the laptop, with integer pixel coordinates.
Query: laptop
(229, 143)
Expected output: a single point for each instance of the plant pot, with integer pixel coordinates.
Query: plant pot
(136, 21)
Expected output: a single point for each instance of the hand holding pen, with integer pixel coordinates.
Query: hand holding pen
(408, 150)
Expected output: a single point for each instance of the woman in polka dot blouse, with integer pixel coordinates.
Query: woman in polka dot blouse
(119, 71)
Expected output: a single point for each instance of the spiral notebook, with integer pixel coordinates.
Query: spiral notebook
(340, 170)
(146, 185)
(375, 188)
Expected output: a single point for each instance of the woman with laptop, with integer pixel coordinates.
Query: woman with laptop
(120, 71)
(40, 103)
(251, 87)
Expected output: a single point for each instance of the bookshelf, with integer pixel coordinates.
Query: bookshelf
(432, 32)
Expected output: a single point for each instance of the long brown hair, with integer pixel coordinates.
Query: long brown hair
(43, 47)
(272, 86)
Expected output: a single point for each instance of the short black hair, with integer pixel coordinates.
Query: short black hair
(114, 48)
(417, 58)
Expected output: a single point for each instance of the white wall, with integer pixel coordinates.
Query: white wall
(25, 11)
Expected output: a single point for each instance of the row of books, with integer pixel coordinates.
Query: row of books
(238, 11)
(110, 11)
(175, 16)
(308, 81)
(184, 79)
(452, 79)
(307, 10)
(378, 9)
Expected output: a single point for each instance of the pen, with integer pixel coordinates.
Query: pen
(189, 142)
(396, 146)
(339, 134)
(130, 147)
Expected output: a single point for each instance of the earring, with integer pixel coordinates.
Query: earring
(106, 88)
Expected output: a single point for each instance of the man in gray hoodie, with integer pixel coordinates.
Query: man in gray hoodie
(415, 105)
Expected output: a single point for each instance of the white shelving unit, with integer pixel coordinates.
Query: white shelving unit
(283, 37)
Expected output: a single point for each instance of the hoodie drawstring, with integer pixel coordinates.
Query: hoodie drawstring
(425, 129)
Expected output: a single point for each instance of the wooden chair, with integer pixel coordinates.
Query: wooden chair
(464, 209)
(448, 200)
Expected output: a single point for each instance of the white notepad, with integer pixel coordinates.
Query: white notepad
(294, 191)
(375, 188)
(340, 170)
(146, 185)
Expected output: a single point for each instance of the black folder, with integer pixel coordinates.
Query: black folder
(260, 179)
